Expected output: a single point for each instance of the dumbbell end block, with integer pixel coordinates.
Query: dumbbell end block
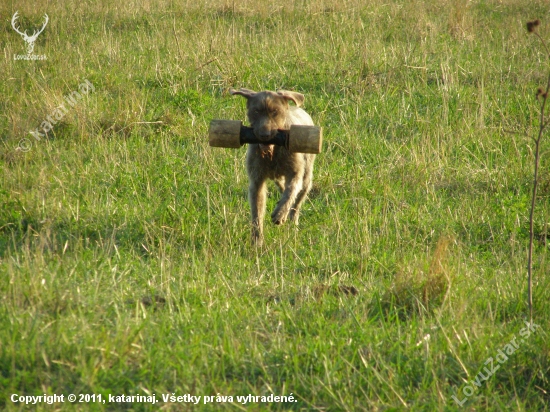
(305, 139)
(225, 133)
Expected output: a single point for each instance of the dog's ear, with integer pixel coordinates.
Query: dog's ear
(297, 98)
(243, 92)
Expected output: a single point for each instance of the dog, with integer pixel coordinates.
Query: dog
(267, 112)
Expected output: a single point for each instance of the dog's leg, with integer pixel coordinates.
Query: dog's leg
(257, 198)
(293, 187)
(294, 214)
(280, 182)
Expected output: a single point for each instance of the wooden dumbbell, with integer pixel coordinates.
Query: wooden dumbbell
(299, 139)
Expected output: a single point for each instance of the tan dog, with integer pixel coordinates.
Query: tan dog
(292, 172)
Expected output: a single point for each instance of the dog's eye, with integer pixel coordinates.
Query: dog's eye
(274, 112)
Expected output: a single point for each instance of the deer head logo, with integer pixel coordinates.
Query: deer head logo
(28, 39)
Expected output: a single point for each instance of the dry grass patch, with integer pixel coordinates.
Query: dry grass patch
(420, 291)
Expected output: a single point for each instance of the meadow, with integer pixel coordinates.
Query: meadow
(126, 266)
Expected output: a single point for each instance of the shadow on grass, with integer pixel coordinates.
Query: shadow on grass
(21, 229)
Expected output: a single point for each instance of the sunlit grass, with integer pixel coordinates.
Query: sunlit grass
(125, 257)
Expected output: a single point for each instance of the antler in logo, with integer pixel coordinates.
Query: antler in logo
(29, 39)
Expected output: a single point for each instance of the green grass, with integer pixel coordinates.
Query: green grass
(125, 257)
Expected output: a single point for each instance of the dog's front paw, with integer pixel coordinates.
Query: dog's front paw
(278, 216)
(294, 216)
(257, 239)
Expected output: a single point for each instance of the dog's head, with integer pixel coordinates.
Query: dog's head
(268, 111)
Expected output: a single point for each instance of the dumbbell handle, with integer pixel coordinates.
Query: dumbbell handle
(247, 136)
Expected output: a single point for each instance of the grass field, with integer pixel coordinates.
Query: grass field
(125, 257)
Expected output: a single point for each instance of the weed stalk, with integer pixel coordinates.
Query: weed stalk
(532, 28)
